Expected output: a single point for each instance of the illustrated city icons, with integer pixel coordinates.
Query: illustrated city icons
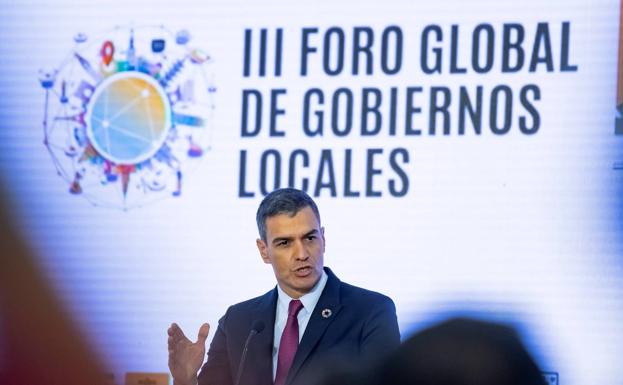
(128, 114)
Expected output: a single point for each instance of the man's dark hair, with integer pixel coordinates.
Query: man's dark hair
(283, 201)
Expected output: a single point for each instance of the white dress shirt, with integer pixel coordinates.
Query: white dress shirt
(309, 301)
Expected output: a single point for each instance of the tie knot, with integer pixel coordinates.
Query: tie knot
(295, 307)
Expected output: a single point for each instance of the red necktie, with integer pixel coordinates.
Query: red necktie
(289, 342)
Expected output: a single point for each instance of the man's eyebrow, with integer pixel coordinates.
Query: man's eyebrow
(289, 238)
(279, 239)
(311, 232)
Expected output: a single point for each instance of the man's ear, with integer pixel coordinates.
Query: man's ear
(263, 249)
(324, 242)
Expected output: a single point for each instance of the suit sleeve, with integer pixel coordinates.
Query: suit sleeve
(380, 332)
(216, 370)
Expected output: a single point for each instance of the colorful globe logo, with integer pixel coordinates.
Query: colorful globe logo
(128, 118)
(128, 114)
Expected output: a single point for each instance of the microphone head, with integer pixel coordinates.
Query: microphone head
(258, 326)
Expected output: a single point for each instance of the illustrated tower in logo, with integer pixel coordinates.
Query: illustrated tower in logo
(618, 126)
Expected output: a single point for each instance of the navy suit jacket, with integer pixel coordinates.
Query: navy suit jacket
(362, 326)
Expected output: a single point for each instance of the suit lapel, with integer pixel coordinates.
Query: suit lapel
(263, 344)
(318, 323)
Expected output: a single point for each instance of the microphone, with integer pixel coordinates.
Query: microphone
(256, 328)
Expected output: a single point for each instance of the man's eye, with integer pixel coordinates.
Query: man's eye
(282, 243)
(311, 237)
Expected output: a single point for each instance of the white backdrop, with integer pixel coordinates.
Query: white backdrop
(522, 228)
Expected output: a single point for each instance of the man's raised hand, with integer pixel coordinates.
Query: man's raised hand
(186, 357)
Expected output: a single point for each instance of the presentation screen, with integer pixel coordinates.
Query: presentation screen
(466, 158)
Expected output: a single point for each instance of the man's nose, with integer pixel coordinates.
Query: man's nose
(300, 251)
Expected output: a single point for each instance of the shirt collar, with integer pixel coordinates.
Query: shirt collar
(310, 299)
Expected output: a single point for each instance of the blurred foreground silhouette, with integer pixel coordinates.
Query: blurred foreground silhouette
(459, 351)
(39, 343)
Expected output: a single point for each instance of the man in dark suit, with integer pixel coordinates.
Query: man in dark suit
(310, 323)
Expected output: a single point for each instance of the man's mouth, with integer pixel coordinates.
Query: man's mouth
(303, 271)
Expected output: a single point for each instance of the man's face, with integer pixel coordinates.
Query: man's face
(294, 246)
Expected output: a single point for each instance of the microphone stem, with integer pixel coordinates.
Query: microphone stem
(244, 355)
